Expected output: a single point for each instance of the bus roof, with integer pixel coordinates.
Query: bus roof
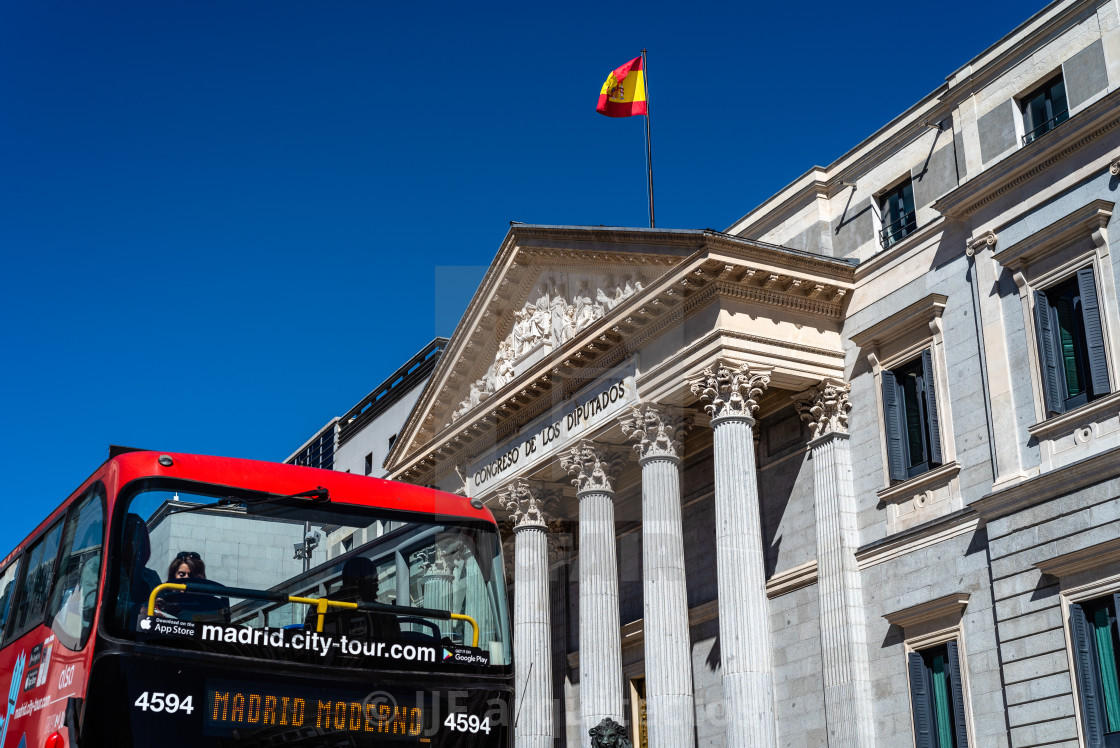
(279, 478)
(272, 477)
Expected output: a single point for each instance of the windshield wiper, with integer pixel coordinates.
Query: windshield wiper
(317, 495)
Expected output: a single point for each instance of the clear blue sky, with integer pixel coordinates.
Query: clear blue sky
(224, 223)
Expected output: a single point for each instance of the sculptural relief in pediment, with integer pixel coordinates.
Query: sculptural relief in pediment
(559, 308)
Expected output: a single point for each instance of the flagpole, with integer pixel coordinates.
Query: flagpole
(649, 147)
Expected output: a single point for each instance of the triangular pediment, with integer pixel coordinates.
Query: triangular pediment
(546, 287)
(562, 308)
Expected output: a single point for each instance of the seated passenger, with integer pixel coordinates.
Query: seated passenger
(191, 606)
(359, 584)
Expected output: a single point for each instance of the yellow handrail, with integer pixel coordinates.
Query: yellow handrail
(472, 622)
(159, 588)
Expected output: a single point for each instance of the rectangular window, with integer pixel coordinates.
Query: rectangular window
(1044, 109)
(1093, 629)
(369, 463)
(1071, 343)
(898, 214)
(910, 411)
(35, 587)
(7, 591)
(75, 592)
(937, 697)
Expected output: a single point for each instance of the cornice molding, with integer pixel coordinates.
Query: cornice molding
(950, 606)
(1086, 220)
(914, 539)
(939, 476)
(1078, 416)
(917, 315)
(1043, 488)
(1083, 559)
(1101, 118)
(785, 582)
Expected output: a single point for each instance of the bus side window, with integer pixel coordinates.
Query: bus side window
(75, 591)
(35, 585)
(7, 587)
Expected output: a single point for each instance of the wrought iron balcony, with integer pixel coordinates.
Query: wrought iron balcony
(1046, 127)
(897, 229)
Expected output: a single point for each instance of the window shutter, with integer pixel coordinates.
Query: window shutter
(1088, 689)
(892, 415)
(1047, 355)
(1094, 335)
(921, 701)
(958, 695)
(931, 407)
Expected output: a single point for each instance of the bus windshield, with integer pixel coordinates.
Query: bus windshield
(308, 580)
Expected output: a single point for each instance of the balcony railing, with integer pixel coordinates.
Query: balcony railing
(1045, 127)
(900, 227)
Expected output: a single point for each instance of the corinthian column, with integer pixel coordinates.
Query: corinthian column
(843, 641)
(600, 644)
(670, 711)
(744, 610)
(532, 648)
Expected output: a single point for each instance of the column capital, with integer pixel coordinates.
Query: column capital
(976, 243)
(730, 391)
(438, 561)
(595, 468)
(527, 503)
(825, 407)
(657, 433)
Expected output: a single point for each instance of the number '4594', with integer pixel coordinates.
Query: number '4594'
(463, 723)
(164, 702)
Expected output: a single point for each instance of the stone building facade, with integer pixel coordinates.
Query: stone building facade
(846, 474)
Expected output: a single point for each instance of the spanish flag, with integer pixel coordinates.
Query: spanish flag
(624, 93)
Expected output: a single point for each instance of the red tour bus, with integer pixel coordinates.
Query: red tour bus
(185, 601)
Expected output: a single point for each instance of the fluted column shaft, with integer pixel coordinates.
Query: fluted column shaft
(600, 643)
(670, 710)
(437, 595)
(532, 635)
(843, 640)
(843, 637)
(732, 392)
(744, 609)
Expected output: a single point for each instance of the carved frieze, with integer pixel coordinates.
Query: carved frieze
(595, 468)
(657, 433)
(825, 407)
(553, 315)
(730, 392)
